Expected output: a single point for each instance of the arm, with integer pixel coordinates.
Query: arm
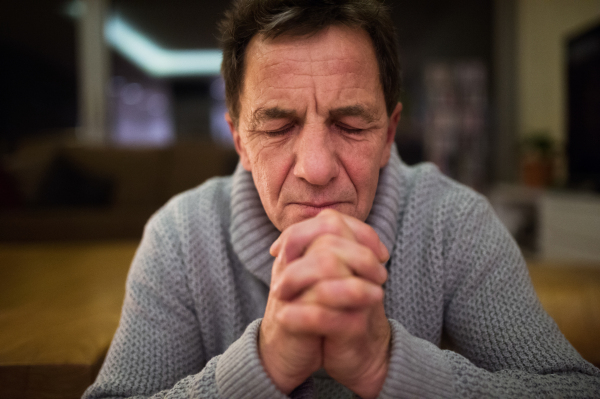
(157, 350)
(506, 345)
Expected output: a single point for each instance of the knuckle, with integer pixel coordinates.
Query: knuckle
(322, 256)
(327, 241)
(282, 316)
(320, 317)
(366, 256)
(322, 293)
(280, 286)
(355, 290)
(332, 222)
(369, 235)
(327, 262)
(290, 317)
(370, 232)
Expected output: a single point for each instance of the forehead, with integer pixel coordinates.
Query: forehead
(336, 64)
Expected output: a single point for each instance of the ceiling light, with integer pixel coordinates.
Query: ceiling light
(158, 61)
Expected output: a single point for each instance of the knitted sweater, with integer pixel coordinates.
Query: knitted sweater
(198, 287)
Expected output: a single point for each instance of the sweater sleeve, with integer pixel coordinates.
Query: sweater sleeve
(504, 344)
(157, 350)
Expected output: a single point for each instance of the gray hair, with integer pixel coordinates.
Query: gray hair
(272, 18)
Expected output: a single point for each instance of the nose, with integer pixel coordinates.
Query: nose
(315, 156)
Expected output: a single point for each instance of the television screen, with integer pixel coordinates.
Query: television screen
(584, 110)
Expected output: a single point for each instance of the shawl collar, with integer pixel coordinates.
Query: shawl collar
(252, 233)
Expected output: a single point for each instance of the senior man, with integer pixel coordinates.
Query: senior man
(325, 267)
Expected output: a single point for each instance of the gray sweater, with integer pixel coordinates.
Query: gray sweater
(198, 287)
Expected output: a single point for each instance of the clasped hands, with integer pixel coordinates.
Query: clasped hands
(325, 306)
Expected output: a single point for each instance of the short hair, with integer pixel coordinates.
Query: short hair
(273, 18)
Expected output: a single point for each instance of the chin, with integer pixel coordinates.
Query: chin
(297, 213)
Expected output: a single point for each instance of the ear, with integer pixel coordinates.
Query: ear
(391, 134)
(237, 141)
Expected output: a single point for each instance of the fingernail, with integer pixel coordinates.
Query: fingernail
(384, 251)
(280, 256)
(274, 250)
(277, 258)
(383, 273)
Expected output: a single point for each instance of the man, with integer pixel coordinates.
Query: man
(324, 267)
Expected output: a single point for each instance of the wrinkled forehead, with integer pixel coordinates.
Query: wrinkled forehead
(333, 58)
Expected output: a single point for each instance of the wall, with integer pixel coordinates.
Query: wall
(543, 27)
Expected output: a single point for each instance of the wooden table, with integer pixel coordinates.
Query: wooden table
(59, 308)
(570, 293)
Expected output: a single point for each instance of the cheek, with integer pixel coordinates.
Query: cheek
(270, 167)
(362, 165)
(364, 174)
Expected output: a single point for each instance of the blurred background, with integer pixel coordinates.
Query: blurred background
(109, 108)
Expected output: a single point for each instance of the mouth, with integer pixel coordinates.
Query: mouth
(312, 209)
(322, 205)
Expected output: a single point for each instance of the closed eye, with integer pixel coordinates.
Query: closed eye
(280, 132)
(348, 129)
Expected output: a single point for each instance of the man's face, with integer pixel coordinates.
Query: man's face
(313, 127)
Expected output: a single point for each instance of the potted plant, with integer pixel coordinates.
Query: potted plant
(537, 159)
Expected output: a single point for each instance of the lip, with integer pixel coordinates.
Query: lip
(322, 205)
(305, 210)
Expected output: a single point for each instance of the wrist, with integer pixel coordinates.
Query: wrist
(284, 383)
(372, 379)
(283, 375)
(370, 386)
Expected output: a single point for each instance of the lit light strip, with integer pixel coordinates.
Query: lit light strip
(158, 61)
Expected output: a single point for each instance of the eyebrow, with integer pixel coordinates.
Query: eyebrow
(354, 110)
(265, 114)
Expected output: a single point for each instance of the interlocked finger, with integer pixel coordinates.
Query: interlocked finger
(346, 294)
(310, 318)
(329, 257)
